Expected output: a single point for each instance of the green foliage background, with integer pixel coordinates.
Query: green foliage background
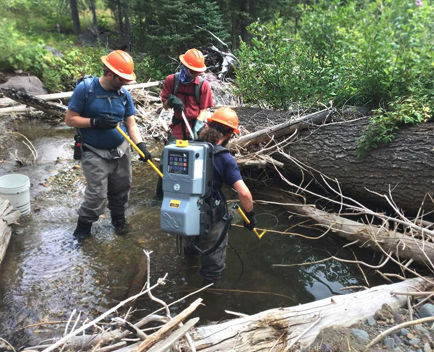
(360, 53)
(293, 53)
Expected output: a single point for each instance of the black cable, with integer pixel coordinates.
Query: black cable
(219, 240)
(239, 257)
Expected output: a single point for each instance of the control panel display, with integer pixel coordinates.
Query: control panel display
(178, 162)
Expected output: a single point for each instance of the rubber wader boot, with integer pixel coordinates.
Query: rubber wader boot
(215, 282)
(83, 230)
(118, 221)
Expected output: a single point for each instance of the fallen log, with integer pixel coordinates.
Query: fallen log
(5, 102)
(405, 165)
(7, 217)
(52, 109)
(370, 236)
(279, 328)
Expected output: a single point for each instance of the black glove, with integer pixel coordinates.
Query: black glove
(251, 216)
(174, 102)
(144, 150)
(104, 122)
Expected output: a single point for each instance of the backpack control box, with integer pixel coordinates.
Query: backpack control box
(187, 183)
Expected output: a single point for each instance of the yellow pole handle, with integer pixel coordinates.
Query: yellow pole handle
(156, 169)
(246, 219)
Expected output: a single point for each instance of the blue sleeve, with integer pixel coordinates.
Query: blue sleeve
(78, 99)
(231, 173)
(129, 107)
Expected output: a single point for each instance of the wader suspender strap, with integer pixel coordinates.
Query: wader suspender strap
(197, 94)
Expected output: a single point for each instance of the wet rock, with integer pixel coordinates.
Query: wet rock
(385, 313)
(427, 338)
(29, 84)
(361, 335)
(389, 342)
(427, 310)
(326, 347)
(404, 332)
(414, 342)
(420, 329)
(370, 321)
(397, 339)
(397, 318)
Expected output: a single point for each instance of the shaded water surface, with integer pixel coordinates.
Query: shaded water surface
(46, 274)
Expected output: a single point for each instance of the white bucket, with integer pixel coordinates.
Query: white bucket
(15, 188)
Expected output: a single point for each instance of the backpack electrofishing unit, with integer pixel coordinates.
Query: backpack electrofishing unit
(189, 208)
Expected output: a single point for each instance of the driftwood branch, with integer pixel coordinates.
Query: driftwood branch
(260, 332)
(173, 323)
(283, 129)
(5, 102)
(7, 217)
(396, 328)
(51, 109)
(174, 337)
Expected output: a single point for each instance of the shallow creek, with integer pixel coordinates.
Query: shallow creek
(46, 274)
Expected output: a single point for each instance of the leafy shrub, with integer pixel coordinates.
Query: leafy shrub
(362, 53)
(147, 67)
(62, 73)
(18, 53)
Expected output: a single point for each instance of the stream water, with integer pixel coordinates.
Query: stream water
(46, 274)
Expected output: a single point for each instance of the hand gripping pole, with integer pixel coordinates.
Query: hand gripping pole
(255, 230)
(139, 151)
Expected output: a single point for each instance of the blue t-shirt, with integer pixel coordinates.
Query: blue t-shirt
(101, 102)
(226, 171)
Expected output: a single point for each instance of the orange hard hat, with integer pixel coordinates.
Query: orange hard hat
(121, 64)
(226, 116)
(194, 60)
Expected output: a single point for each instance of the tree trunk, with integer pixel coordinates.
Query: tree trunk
(278, 329)
(94, 19)
(120, 15)
(75, 16)
(7, 217)
(404, 166)
(127, 26)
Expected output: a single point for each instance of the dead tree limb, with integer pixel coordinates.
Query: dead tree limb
(282, 129)
(260, 332)
(51, 109)
(7, 217)
(153, 339)
(369, 235)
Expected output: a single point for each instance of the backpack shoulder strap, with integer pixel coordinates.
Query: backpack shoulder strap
(218, 149)
(88, 86)
(176, 83)
(198, 89)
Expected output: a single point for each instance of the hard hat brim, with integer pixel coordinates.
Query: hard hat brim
(210, 119)
(196, 69)
(128, 77)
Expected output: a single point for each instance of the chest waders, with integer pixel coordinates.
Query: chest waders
(189, 207)
(196, 94)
